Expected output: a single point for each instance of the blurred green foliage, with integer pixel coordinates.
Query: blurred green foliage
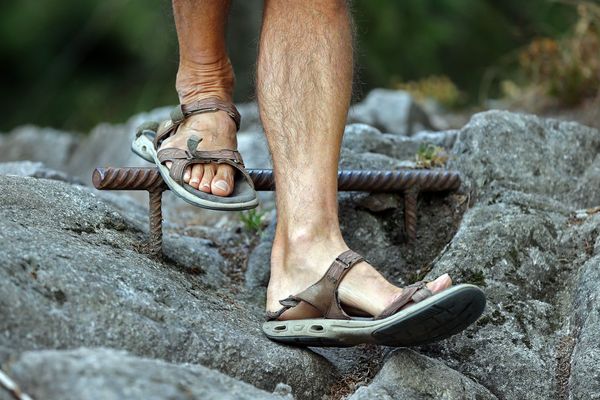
(411, 39)
(567, 71)
(71, 64)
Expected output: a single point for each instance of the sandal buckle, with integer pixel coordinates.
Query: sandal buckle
(345, 265)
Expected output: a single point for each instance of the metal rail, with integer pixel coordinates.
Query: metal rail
(408, 182)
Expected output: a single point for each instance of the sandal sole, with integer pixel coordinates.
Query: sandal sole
(436, 318)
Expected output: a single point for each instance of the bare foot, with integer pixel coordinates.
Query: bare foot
(217, 131)
(213, 77)
(296, 266)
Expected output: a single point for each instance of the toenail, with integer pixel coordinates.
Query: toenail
(195, 180)
(222, 185)
(205, 185)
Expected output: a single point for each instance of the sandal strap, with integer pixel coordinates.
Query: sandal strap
(288, 303)
(416, 292)
(323, 295)
(209, 104)
(181, 159)
(182, 111)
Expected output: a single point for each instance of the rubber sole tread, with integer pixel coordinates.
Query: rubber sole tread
(444, 315)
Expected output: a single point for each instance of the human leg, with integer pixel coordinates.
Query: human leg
(304, 89)
(204, 71)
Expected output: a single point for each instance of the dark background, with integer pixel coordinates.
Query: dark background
(72, 64)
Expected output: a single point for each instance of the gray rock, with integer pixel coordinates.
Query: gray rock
(106, 145)
(259, 262)
(108, 374)
(589, 179)
(511, 252)
(368, 148)
(444, 139)
(521, 243)
(283, 390)
(134, 213)
(196, 255)
(379, 202)
(407, 375)
(250, 117)
(530, 154)
(578, 351)
(35, 170)
(49, 146)
(70, 276)
(391, 111)
(254, 149)
(353, 160)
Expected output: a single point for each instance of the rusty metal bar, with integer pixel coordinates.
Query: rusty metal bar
(147, 178)
(410, 182)
(410, 212)
(155, 220)
(128, 178)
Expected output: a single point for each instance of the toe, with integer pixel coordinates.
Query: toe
(222, 183)
(196, 175)
(207, 176)
(442, 282)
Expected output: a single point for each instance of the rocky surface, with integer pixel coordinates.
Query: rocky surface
(33, 143)
(391, 111)
(408, 375)
(72, 275)
(522, 242)
(109, 374)
(524, 226)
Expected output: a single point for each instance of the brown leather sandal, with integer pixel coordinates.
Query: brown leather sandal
(431, 318)
(151, 135)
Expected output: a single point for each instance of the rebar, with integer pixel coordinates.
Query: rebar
(146, 178)
(155, 220)
(128, 178)
(409, 182)
(410, 212)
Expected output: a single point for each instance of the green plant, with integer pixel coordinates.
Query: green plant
(253, 220)
(430, 156)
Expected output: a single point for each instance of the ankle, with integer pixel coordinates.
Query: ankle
(196, 81)
(215, 127)
(305, 248)
(307, 236)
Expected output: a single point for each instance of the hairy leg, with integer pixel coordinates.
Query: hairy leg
(304, 89)
(204, 71)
